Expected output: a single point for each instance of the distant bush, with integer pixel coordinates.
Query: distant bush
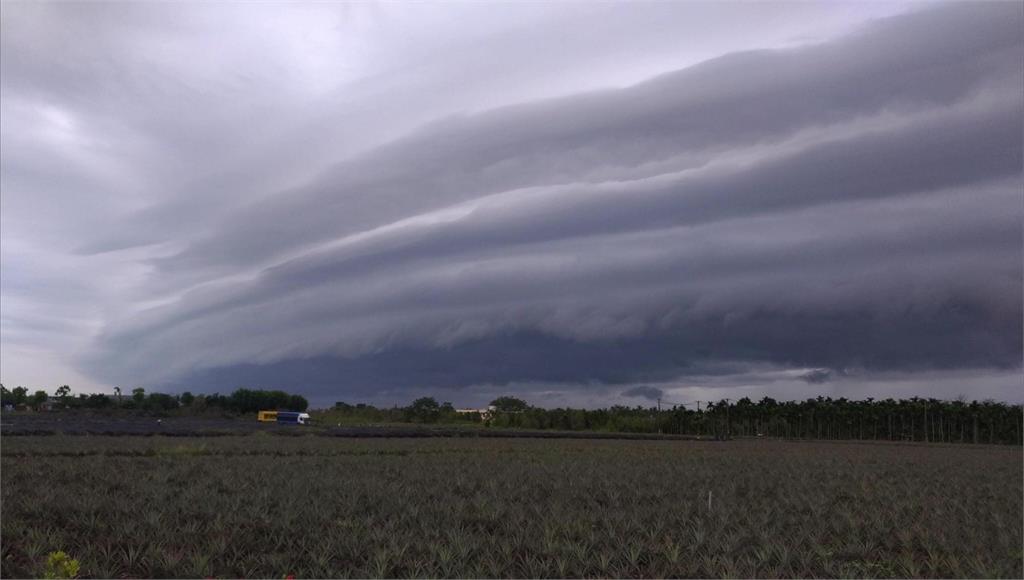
(423, 410)
(96, 401)
(249, 401)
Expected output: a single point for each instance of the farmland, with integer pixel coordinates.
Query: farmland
(22, 424)
(261, 505)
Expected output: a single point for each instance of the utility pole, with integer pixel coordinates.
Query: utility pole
(657, 419)
(728, 427)
(700, 421)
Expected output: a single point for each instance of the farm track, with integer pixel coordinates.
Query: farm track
(43, 425)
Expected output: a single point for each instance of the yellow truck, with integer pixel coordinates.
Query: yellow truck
(287, 417)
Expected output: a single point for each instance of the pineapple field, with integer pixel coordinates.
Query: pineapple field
(266, 506)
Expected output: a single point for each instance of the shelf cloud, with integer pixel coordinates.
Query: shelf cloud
(842, 208)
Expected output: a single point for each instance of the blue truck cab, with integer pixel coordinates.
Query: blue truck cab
(293, 417)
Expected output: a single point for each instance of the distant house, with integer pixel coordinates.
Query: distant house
(485, 414)
(50, 404)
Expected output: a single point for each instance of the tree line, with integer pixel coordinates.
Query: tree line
(240, 401)
(914, 419)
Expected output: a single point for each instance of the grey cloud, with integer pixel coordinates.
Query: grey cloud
(223, 114)
(684, 119)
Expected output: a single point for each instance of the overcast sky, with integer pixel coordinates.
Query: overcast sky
(578, 203)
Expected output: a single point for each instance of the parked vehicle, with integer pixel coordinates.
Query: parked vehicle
(289, 417)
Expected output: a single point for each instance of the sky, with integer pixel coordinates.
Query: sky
(574, 203)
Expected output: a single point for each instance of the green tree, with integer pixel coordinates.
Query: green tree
(297, 403)
(250, 401)
(63, 392)
(424, 410)
(187, 399)
(510, 405)
(20, 395)
(97, 401)
(161, 402)
(39, 398)
(139, 395)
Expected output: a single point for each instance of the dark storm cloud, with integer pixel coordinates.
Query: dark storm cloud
(647, 392)
(854, 204)
(817, 376)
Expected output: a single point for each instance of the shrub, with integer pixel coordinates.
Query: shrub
(60, 565)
